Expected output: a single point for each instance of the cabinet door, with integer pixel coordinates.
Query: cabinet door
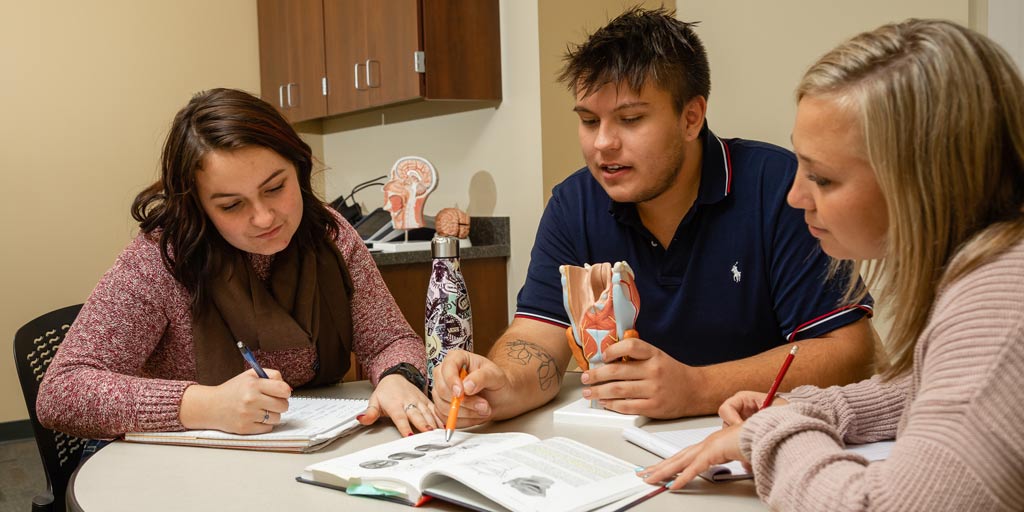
(273, 17)
(292, 57)
(345, 51)
(304, 95)
(394, 37)
(462, 44)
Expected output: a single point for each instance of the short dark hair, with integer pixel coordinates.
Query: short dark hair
(638, 45)
(219, 120)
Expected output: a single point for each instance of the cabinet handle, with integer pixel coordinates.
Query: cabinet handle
(280, 96)
(369, 73)
(288, 92)
(419, 62)
(356, 72)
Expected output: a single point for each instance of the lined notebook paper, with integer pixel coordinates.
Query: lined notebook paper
(308, 425)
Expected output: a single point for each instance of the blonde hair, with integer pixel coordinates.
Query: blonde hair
(941, 110)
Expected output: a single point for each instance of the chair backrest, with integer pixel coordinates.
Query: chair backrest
(35, 344)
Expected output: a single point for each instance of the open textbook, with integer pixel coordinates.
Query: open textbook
(307, 425)
(668, 443)
(489, 472)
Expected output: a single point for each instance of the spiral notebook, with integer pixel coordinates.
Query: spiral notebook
(308, 425)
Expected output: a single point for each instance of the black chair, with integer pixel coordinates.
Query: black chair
(35, 344)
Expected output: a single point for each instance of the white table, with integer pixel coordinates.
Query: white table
(132, 477)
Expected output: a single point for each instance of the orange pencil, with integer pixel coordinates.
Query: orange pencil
(453, 412)
(778, 379)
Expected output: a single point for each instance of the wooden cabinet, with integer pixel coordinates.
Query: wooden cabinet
(328, 57)
(292, 66)
(347, 42)
(372, 61)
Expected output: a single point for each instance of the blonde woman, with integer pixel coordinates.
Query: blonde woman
(910, 141)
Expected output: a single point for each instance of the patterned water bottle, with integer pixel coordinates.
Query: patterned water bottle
(449, 318)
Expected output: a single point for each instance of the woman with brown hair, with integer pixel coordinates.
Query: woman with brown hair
(233, 246)
(910, 141)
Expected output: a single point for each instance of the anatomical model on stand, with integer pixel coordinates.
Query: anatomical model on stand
(412, 179)
(602, 303)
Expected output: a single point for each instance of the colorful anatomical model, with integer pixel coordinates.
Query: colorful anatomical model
(602, 303)
(412, 180)
(452, 222)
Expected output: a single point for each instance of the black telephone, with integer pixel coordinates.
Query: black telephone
(376, 226)
(372, 222)
(353, 214)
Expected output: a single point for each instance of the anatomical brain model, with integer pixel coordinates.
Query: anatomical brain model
(412, 180)
(452, 222)
(602, 303)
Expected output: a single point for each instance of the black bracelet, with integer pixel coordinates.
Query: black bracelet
(411, 374)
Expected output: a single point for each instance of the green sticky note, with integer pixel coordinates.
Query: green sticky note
(369, 490)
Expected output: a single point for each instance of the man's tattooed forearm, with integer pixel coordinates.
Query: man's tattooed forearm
(523, 352)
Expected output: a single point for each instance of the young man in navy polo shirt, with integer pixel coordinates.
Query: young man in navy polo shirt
(728, 274)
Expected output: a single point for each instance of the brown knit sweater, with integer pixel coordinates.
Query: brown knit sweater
(957, 417)
(128, 358)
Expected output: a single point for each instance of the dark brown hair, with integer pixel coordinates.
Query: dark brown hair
(638, 45)
(219, 120)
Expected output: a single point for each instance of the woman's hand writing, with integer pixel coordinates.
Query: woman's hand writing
(246, 404)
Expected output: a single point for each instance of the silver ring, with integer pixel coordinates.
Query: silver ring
(266, 416)
(410, 406)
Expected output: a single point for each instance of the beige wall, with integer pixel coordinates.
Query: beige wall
(561, 149)
(88, 90)
(488, 160)
(758, 51)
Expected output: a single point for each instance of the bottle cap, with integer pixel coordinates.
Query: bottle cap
(444, 247)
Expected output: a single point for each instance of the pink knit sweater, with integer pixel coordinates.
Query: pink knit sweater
(127, 360)
(957, 416)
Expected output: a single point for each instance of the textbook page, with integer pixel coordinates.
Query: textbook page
(553, 474)
(308, 424)
(398, 468)
(500, 472)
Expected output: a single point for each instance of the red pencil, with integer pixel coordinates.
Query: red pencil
(778, 378)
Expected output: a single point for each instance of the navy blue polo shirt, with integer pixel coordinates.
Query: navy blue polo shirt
(742, 274)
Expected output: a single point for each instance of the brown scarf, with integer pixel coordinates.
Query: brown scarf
(304, 302)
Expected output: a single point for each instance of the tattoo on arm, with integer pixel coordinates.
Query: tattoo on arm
(523, 353)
